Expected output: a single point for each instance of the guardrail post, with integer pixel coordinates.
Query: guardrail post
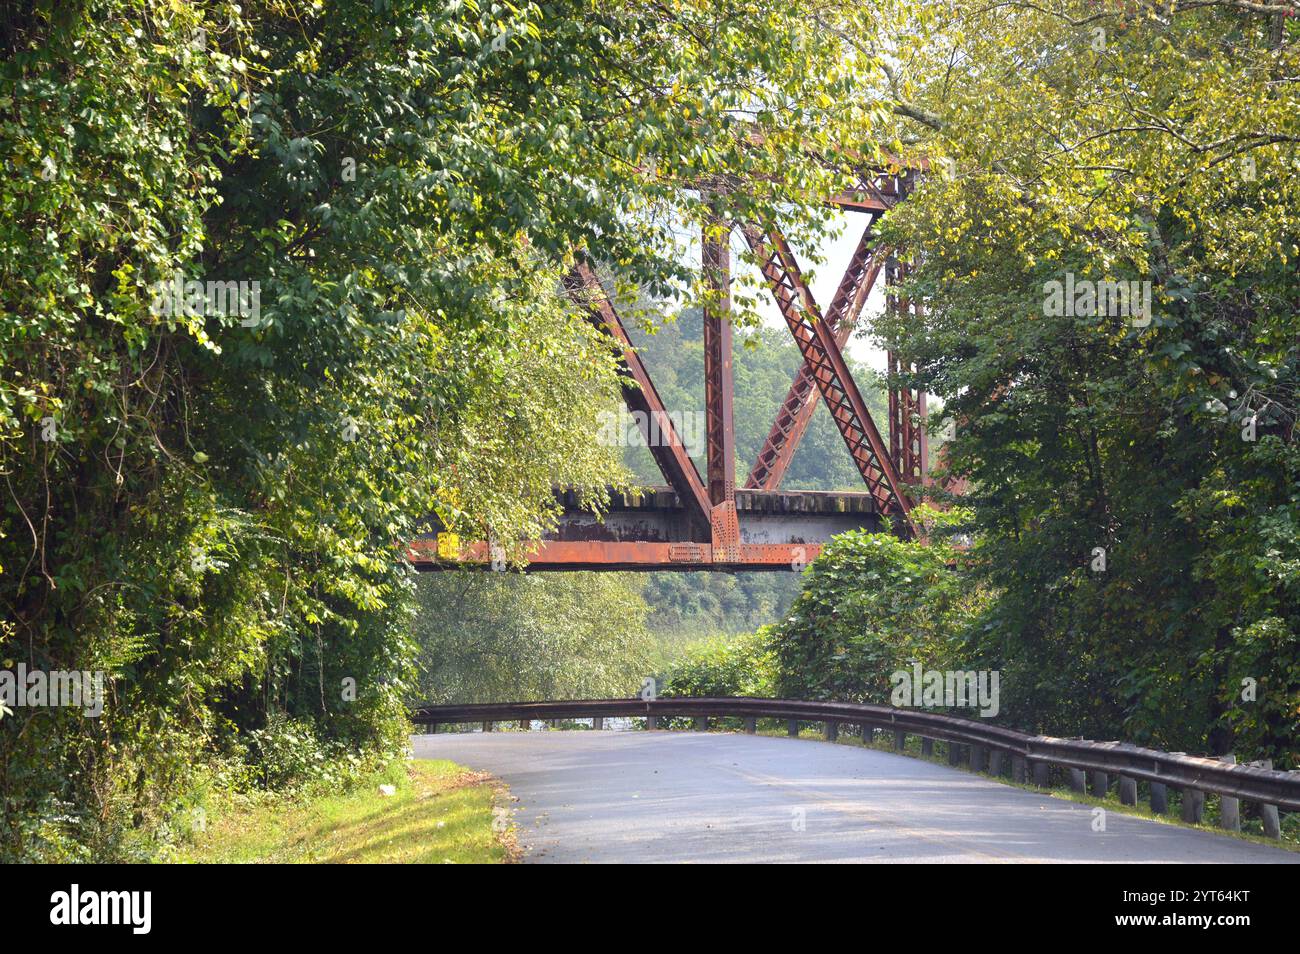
(954, 753)
(701, 723)
(900, 740)
(995, 762)
(433, 728)
(751, 726)
(1159, 798)
(651, 722)
(792, 727)
(1042, 775)
(487, 726)
(1229, 807)
(1268, 813)
(1019, 769)
(1193, 806)
(1100, 784)
(927, 746)
(598, 722)
(1128, 790)
(1272, 824)
(868, 734)
(1078, 781)
(977, 758)
(832, 730)
(1189, 810)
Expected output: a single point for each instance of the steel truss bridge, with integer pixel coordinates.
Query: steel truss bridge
(707, 522)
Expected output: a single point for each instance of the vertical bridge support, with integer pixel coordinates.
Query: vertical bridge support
(715, 253)
(908, 444)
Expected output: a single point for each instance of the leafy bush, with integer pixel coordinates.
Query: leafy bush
(872, 604)
(287, 752)
(723, 666)
(290, 753)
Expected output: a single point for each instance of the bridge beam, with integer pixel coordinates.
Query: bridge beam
(640, 394)
(707, 525)
(909, 446)
(651, 530)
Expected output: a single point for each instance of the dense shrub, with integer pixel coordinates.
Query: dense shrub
(872, 604)
(723, 666)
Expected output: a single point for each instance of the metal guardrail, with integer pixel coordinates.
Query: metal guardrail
(1030, 755)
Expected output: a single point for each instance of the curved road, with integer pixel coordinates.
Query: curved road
(710, 797)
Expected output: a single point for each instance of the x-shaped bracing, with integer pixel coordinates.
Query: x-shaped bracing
(820, 342)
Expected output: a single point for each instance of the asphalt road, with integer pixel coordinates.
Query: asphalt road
(718, 797)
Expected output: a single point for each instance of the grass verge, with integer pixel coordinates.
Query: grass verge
(440, 812)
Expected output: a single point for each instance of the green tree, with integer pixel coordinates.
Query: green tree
(1135, 475)
(207, 499)
(492, 637)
